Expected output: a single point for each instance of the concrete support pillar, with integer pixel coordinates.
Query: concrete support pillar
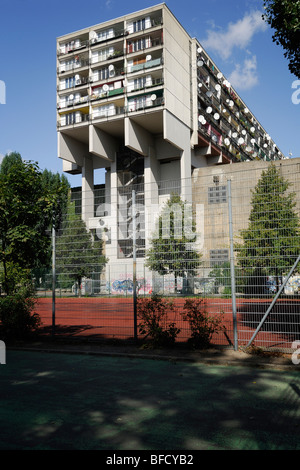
(179, 135)
(151, 189)
(87, 189)
(137, 138)
(102, 144)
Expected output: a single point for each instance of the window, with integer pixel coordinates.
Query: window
(106, 34)
(70, 82)
(104, 111)
(218, 257)
(103, 54)
(70, 118)
(139, 83)
(138, 45)
(139, 25)
(217, 194)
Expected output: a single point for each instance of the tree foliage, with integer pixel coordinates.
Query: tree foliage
(271, 243)
(28, 208)
(284, 17)
(78, 252)
(171, 248)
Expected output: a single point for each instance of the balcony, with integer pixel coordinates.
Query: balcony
(141, 24)
(145, 65)
(143, 43)
(107, 34)
(72, 101)
(72, 46)
(102, 94)
(69, 67)
(143, 103)
(107, 111)
(71, 119)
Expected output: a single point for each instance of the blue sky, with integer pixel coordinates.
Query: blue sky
(232, 32)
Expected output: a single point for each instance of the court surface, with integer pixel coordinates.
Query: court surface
(65, 401)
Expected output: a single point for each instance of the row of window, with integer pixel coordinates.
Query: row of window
(109, 72)
(104, 35)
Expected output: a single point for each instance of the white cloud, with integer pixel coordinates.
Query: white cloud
(237, 35)
(245, 77)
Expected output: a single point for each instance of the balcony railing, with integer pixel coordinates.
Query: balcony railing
(63, 68)
(73, 102)
(107, 94)
(116, 35)
(73, 119)
(142, 106)
(145, 65)
(72, 48)
(105, 113)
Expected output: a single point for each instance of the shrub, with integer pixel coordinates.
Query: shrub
(201, 324)
(17, 318)
(154, 324)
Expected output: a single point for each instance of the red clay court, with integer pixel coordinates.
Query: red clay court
(113, 317)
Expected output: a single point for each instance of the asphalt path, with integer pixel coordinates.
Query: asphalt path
(65, 401)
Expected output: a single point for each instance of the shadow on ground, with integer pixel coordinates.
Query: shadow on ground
(95, 402)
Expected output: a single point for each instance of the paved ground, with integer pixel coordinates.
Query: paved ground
(120, 398)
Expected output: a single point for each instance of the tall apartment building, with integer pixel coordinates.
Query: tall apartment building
(141, 98)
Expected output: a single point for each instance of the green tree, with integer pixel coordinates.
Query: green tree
(284, 17)
(271, 243)
(26, 212)
(222, 277)
(79, 252)
(8, 161)
(59, 185)
(171, 248)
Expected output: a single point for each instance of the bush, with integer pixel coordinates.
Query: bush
(17, 318)
(153, 315)
(201, 324)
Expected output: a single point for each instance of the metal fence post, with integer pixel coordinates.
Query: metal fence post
(232, 270)
(273, 302)
(134, 263)
(53, 277)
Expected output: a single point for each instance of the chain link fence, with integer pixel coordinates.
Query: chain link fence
(229, 235)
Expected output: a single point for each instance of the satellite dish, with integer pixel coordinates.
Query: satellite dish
(244, 132)
(231, 103)
(105, 87)
(220, 75)
(226, 83)
(93, 35)
(234, 135)
(200, 85)
(153, 97)
(252, 129)
(200, 63)
(246, 110)
(218, 87)
(241, 140)
(227, 141)
(209, 110)
(217, 116)
(71, 97)
(252, 141)
(199, 50)
(111, 67)
(265, 146)
(148, 57)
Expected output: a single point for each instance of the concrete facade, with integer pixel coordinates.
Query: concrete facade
(141, 98)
